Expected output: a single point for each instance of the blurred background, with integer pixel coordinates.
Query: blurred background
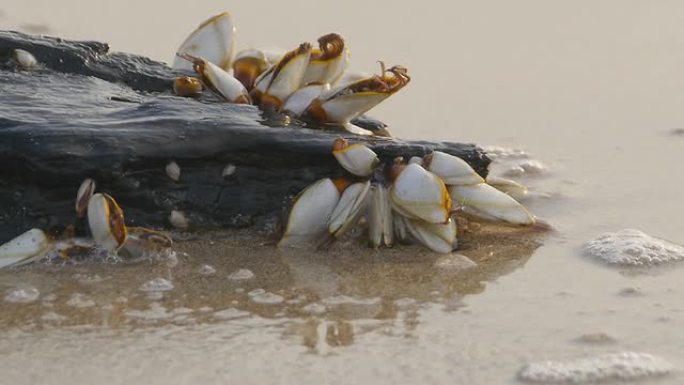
(560, 69)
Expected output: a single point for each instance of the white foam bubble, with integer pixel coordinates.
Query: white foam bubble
(88, 279)
(315, 308)
(405, 303)
(80, 300)
(496, 152)
(632, 247)
(51, 316)
(23, 295)
(454, 263)
(157, 284)
(155, 312)
(206, 270)
(241, 275)
(623, 366)
(263, 297)
(345, 300)
(528, 167)
(230, 313)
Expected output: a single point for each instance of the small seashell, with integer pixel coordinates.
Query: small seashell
(228, 170)
(26, 248)
(178, 220)
(157, 284)
(173, 171)
(24, 59)
(187, 86)
(24, 295)
(416, 160)
(206, 270)
(85, 192)
(241, 275)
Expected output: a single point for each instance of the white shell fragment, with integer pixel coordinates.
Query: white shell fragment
(632, 247)
(486, 202)
(213, 40)
(228, 170)
(380, 222)
(420, 194)
(27, 247)
(453, 170)
(178, 220)
(440, 238)
(173, 170)
(516, 190)
(357, 159)
(24, 59)
(310, 213)
(106, 222)
(625, 366)
(348, 208)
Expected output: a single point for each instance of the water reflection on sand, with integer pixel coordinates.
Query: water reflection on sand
(298, 284)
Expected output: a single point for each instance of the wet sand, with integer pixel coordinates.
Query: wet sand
(228, 269)
(592, 90)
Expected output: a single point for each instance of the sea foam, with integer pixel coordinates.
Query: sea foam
(632, 247)
(624, 366)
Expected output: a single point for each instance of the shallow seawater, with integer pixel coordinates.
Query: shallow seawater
(581, 101)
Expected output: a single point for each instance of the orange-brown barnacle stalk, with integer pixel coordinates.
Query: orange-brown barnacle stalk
(187, 86)
(277, 83)
(341, 184)
(346, 102)
(218, 81)
(328, 62)
(248, 65)
(393, 170)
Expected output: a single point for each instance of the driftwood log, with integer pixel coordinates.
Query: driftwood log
(111, 116)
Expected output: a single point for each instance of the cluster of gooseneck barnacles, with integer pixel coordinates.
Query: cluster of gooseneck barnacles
(415, 201)
(306, 82)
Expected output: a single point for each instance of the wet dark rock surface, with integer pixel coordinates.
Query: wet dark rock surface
(110, 116)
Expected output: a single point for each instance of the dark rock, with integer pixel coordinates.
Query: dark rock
(89, 113)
